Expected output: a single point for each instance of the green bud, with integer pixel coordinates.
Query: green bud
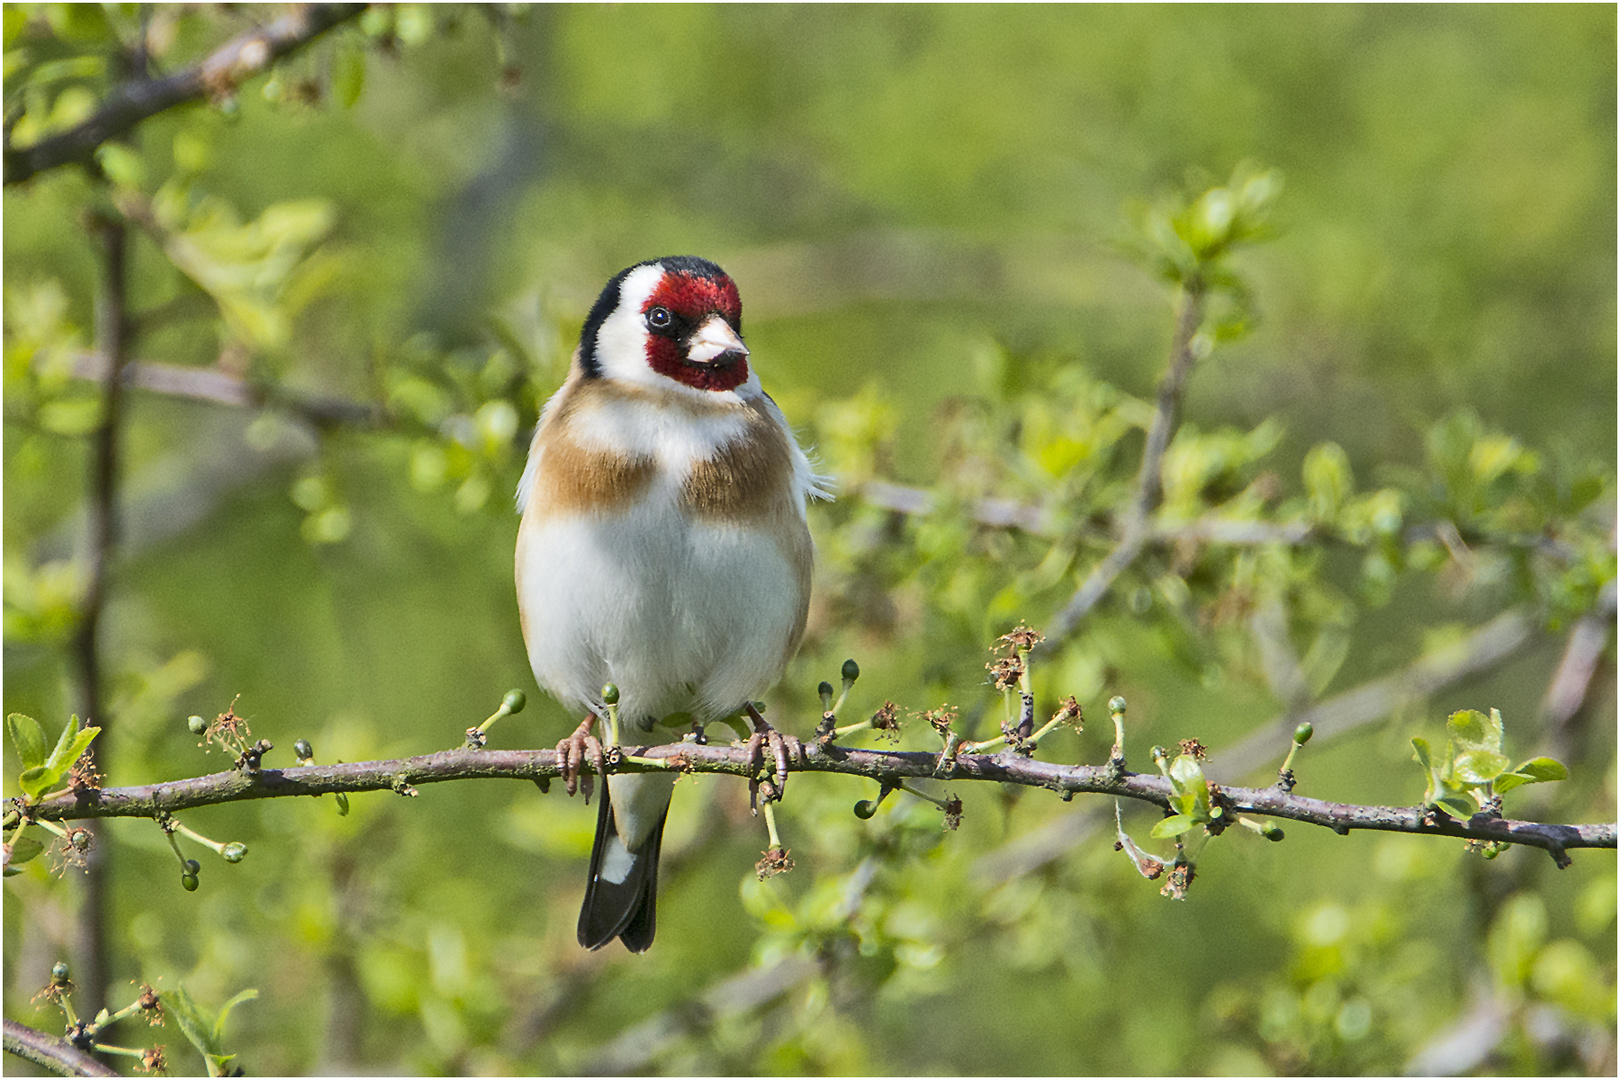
(851, 671)
(193, 867)
(188, 882)
(759, 706)
(1271, 832)
(303, 750)
(514, 701)
(234, 852)
(610, 694)
(865, 809)
(825, 693)
(59, 972)
(1302, 734)
(1116, 704)
(197, 725)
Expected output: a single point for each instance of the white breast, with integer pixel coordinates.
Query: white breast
(681, 616)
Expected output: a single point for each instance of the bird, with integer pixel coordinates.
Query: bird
(663, 552)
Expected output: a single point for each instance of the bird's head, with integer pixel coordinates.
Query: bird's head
(676, 318)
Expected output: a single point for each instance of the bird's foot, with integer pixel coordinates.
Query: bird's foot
(781, 746)
(572, 753)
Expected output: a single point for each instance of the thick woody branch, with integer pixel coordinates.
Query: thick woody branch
(402, 775)
(217, 76)
(50, 1052)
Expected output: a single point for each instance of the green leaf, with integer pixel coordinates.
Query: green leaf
(1173, 826)
(1458, 806)
(349, 73)
(195, 1024)
(27, 736)
(1328, 480)
(225, 1010)
(22, 849)
(1479, 767)
(1473, 730)
(70, 745)
(1420, 752)
(1535, 771)
(37, 781)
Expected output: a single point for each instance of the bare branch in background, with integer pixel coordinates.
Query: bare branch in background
(1136, 528)
(133, 101)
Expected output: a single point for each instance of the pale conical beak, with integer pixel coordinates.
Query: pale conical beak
(715, 342)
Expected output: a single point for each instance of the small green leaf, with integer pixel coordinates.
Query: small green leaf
(24, 848)
(1186, 774)
(349, 73)
(1473, 730)
(1173, 826)
(1479, 767)
(225, 1010)
(1458, 806)
(37, 781)
(1420, 752)
(1535, 771)
(29, 739)
(195, 1024)
(1328, 479)
(70, 745)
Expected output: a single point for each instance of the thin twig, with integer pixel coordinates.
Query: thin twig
(1588, 641)
(217, 76)
(1149, 479)
(112, 331)
(218, 387)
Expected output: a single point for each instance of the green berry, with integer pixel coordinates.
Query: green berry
(303, 750)
(610, 694)
(59, 972)
(1302, 734)
(851, 671)
(234, 852)
(1116, 705)
(197, 725)
(514, 701)
(188, 882)
(865, 809)
(1271, 832)
(825, 692)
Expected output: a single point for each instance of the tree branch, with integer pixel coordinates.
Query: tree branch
(218, 387)
(220, 74)
(401, 775)
(50, 1052)
(1149, 479)
(1483, 648)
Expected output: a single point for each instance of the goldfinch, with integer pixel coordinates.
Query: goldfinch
(663, 548)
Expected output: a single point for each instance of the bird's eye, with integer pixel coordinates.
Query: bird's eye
(658, 318)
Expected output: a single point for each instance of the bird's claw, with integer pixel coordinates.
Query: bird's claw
(765, 735)
(572, 753)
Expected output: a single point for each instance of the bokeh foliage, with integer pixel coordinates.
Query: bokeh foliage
(937, 217)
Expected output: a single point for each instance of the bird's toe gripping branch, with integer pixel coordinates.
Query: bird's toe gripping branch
(572, 753)
(765, 735)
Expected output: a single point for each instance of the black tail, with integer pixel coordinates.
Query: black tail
(625, 909)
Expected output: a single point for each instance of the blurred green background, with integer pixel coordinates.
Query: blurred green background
(924, 207)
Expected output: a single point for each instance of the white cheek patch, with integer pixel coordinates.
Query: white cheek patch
(621, 341)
